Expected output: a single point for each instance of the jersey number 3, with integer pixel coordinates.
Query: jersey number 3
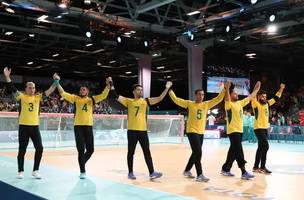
(31, 107)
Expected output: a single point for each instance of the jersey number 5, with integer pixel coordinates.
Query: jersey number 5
(199, 114)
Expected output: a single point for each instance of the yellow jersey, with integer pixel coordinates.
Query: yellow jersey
(261, 112)
(197, 112)
(234, 115)
(84, 106)
(137, 113)
(29, 109)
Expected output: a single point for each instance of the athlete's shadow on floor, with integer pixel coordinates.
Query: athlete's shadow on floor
(84, 189)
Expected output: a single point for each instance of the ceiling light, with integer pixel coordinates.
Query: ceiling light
(88, 34)
(42, 18)
(253, 1)
(55, 55)
(272, 18)
(87, 2)
(9, 10)
(222, 40)
(112, 61)
(193, 13)
(160, 67)
(250, 54)
(128, 33)
(146, 43)
(62, 5)
(119, 39)
(169, 76)
(132, 31)
(30, 63)
(8, 33)
(209, 30)
(31, 35)
(272, 29)
(5, 4)
(237, 37)
(88, 45)
(227, 28)
(129, 72)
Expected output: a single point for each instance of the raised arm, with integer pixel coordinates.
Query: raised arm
(155, 100)
(67, 96)
(255, 90)
(53, 86)
(10, 86)
(216, 100)
(227, 91)
(113, 94)
(178, 101)
(277, 95)
(104, 94)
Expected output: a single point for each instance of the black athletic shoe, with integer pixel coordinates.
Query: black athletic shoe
(265, 171)
(256, 170)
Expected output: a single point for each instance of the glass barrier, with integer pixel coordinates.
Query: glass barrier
(57, 129)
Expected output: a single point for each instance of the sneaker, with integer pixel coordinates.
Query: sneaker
(188, 174)
(36, 174)
(265, 171)
(82, 176)
(202, 178)
(155, 175)
(256, 170)
(20, 175)
(131, 176)
(224, 173)
(247, 176)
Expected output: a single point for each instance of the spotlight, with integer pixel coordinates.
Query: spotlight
(193, 13)
(228, 28)
(88, 34)
(8, 33)
(272, 18)
(87, 2)
(209, 30)
(192, 37)
(118, 39)
(42, 18)
(271, 29)
(146, 43)
(253, 1)
(31, 35)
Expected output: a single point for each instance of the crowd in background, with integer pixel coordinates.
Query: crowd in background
(287, 111)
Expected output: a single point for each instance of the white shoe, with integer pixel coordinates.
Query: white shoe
(20, 175)
(36, 174)
(82, 176)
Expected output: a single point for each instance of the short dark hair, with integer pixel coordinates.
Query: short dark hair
(261, 92)
(198, 90)
(84, 85)
(231, 89)
(136, 86)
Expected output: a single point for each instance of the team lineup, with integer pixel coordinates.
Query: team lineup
(29, 106)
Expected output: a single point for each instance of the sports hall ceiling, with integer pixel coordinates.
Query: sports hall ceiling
(40, 36)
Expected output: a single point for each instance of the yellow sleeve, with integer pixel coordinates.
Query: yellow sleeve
(69, 97)
(254, 102)
(150, 103)
(227, 105)
(39, 96)
(102, 96)
(124, 101)
(245, 101)
(272, 100)
(178, 101)
(19, 96)
(213, 102)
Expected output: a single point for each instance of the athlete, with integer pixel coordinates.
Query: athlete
(137, 125)
(29, 110)
(234, 121)
(196, 123)
(260, 107)
(83, 122)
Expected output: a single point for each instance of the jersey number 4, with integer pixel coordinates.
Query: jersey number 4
(85, 108)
